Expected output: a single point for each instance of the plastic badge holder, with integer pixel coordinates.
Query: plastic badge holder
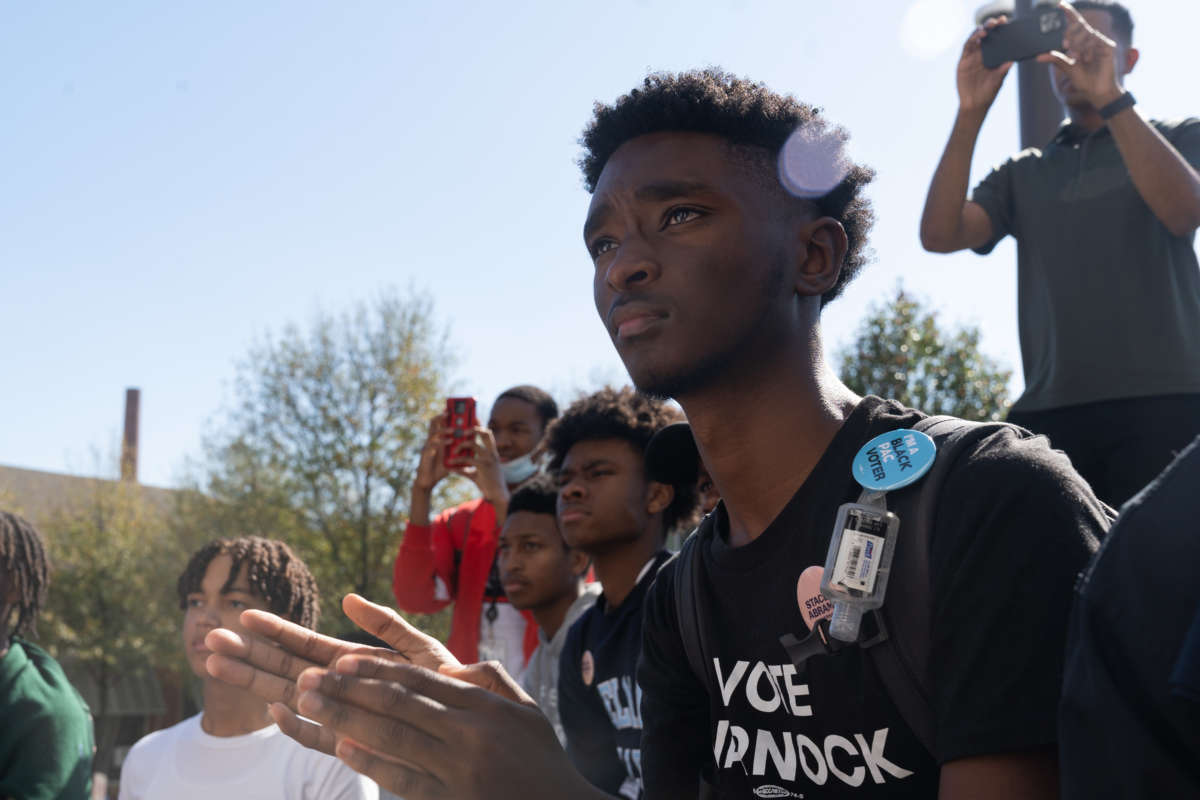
(858, 565)
(864, 536)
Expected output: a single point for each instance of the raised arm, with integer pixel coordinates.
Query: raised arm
(1162, 176)
(950, 222)
(430, 471)
(415, 572)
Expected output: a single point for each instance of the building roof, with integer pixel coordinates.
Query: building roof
(38, 495)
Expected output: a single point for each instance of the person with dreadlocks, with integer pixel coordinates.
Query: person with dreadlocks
(233, 747)
(46, 739)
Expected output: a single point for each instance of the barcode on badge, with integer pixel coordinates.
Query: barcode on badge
(857, 563)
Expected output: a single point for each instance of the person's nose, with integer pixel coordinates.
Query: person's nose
(633, 265)
(206, 616)
(512, 567)
(572, 491)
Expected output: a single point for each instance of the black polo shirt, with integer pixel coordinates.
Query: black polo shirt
(1108, 300)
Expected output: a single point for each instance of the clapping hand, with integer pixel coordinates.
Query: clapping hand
(415, 720)
(269, 661)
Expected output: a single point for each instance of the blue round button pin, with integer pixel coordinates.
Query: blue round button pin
(893, 460)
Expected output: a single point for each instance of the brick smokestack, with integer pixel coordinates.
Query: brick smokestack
(129, 444)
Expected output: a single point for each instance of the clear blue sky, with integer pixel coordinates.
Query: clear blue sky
(177, 179)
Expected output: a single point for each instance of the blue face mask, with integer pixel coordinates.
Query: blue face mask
(519, 469)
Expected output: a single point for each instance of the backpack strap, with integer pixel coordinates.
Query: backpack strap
(902, 659)
(691, 608)
(901, 651)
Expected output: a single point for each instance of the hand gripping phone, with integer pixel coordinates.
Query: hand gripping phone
(460, 422)
(1040, 32)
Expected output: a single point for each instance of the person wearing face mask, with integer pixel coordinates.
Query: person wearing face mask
(451, 558)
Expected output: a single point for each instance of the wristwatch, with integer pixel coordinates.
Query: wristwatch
(1117, 106)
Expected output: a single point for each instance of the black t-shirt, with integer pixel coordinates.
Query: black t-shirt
(1014, 526)
(598, 698)
(1130, 722)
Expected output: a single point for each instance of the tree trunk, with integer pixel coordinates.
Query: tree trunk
(106, 726)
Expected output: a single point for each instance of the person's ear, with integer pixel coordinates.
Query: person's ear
(822, 251)
(659, 498)
(1132, 54)
(578, 562)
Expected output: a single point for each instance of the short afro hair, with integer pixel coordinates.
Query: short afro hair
(624, 414)
(746, 114)
(1122, 20)
(537, 496)
(274, 572)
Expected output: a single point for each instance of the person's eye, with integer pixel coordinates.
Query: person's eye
(530, 547)
(602, 246)
(193, 602)
(238, 604)
(680, 215)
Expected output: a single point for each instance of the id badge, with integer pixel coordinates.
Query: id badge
(867, 534)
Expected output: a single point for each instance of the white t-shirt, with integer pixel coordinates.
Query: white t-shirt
(185, 763)
(503, 639)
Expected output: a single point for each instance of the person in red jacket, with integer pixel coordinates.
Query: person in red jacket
(451, 559)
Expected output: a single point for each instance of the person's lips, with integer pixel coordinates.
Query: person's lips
(514, 585)
(634, 318)
(572, 514)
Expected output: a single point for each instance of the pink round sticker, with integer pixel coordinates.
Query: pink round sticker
(813, 605)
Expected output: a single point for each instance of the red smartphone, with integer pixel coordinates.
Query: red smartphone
(460, 421)
(1040, 32)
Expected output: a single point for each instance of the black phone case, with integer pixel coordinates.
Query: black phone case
(1024, 38)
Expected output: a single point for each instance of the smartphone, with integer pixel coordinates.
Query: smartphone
(1040, 32)
(460, 421)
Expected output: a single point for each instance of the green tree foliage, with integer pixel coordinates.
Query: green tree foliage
(322, 444)
(901, 352)
(112, 609)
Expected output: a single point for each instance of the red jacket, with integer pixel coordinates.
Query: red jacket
(426, 551)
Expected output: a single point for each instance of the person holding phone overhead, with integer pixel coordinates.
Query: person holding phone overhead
(451, 557)
(1104, 217)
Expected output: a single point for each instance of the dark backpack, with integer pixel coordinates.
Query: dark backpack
(900, 651)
